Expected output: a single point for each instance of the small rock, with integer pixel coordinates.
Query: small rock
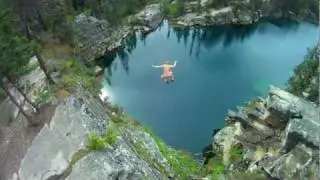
(98, 70)
(305, 94)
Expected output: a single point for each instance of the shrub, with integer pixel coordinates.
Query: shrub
(134, 21)
(182, 164)
(95, 142)
(236, 153)
(173, 9)
(111, 135)
(303, 75)
(43, 96)
(74, 74)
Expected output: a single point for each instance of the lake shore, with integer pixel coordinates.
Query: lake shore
(109, 38)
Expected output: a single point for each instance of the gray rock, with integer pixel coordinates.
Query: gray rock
(303, 117)
(117, 163)
(57, 144)
(96, 36)
(98, 70)
(53, 148)
(292, 165)
(291, 152)
(33, 61)
(238, 12)
(151, 15)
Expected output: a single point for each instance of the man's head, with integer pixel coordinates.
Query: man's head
(166, 62)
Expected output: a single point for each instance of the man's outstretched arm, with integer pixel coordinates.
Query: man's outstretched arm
(174, 65)
(160, 66)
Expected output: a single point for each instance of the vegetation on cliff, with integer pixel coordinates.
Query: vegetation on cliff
(182, 164)
(305, 80)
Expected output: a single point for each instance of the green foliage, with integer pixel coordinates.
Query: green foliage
(215, 167)
(173, 10)
(134, 21)
(236, 153)
(59, 21)
(182, 164)
(96, 142)
(43, 96)
(303, 75)
(15, 50)
(140, 148)
(28, 68)
(258, 175)
(74, 73)
(218, 3)
(218, 170)
(111, 135)
(302, 8)
(115, 11)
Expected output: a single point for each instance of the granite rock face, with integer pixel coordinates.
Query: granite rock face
(279, 135)
(96, 36)
(54, 154)
(151, 16)
(241, 12)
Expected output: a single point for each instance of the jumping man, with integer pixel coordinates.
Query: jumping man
(167, 73)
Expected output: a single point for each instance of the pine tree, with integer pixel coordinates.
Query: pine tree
(15, 52)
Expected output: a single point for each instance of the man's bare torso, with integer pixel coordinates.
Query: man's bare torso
(167, 69)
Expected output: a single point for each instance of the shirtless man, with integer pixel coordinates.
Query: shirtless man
(167, 73)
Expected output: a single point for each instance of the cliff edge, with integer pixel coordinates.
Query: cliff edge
(275, 137)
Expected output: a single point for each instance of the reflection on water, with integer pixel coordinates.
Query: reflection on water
(219, 68)
(206, 37)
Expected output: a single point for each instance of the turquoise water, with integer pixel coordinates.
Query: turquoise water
(218, 69)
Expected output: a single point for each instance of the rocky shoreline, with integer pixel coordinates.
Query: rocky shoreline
(96, 37)
(236, 13)
(278, 137)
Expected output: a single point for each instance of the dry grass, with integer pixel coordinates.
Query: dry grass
(56, 51)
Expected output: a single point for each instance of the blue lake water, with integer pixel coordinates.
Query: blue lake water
(218, 68)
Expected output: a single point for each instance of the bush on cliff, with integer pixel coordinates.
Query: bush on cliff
(96, 142)
(173, 10)
(306, 76)
(74, 73)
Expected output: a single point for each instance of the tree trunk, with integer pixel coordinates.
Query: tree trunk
(40, 18)
(24, 95)
(26, 27)
(14, 101)
(44, 69)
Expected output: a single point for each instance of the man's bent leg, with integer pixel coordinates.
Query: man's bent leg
(171, 76)
(164, 77)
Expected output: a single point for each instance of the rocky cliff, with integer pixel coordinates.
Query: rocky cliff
(95, 36)
(244, 12)
(87, 139)
(275, 137)
(59, 151)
